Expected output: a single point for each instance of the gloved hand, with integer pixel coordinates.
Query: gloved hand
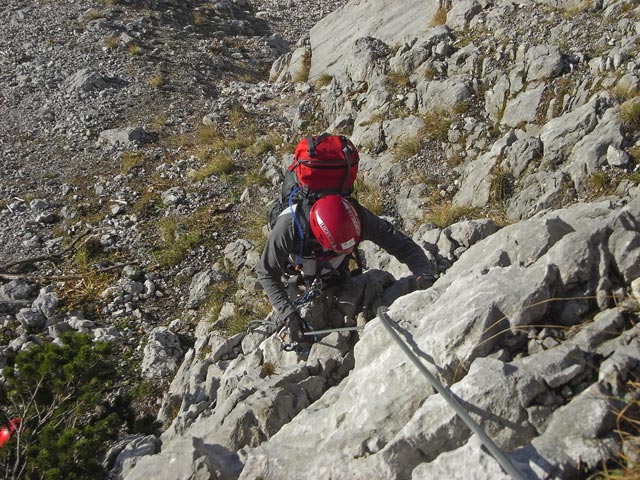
(294, 322)
(424, 281)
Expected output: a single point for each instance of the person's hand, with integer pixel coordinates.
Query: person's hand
(424, 281)
(294, 322)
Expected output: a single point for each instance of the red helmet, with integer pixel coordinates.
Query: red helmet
(335, 224)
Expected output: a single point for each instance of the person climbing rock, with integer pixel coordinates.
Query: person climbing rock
(315, 243)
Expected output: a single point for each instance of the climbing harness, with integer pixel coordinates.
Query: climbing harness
(500, 457)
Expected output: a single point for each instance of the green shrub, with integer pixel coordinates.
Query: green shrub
(112, 42)
(199, 19)
(65, 395)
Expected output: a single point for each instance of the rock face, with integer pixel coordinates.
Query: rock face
(335, 35)
(493, 328)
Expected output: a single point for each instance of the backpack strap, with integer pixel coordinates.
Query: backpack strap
(346, 149)
(312, 143)
(298, 225)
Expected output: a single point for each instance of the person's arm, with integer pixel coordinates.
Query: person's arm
(272, 263)
(396, 243)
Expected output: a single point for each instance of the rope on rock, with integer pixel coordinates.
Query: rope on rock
(499, 456)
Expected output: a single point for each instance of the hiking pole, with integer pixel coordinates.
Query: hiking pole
(499, 456)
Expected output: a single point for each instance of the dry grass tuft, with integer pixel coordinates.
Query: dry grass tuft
(444, 214)
(440, 17)
(630, 114)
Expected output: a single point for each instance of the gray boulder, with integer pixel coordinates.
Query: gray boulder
(30, 319)
(87, 80)
(589, 155)
(434, 94)
(46, 302)
(462, 12)
(475, 188)
(161, 354)
(561, 134)
(524, 107)
(123, 137)
(236, 253)
(543, 62)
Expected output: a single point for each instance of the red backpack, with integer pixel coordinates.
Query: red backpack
(326, 164)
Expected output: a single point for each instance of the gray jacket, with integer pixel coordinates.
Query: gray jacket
(283, 242)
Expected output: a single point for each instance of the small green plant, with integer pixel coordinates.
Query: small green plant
(399, 79)
(635, 153)
(156, 81)
(261, 146)
(630, 114)
(216, 164)
(455, 159)
(599, 184)
(574, 11)
(176, 241)
(253, 220)
(622, 94)
(268, 369)
(199, 19)
(376, 117)
(626, 465)
(131, 160)
(440, 17)
(146, 203)
(134, 48)
(253, 178)
(112, 42)
(436, 124)
(430, 73)
(89, 250)
(444, 214)
(237, 116)
(408, 147)
(633, 177)
(501, 185)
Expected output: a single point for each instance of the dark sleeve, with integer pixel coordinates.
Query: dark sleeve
(396, 243)
(272, 263)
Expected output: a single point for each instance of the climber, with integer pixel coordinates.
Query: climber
(335, 225)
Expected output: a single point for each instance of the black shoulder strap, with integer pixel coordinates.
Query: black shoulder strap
(312, 143)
